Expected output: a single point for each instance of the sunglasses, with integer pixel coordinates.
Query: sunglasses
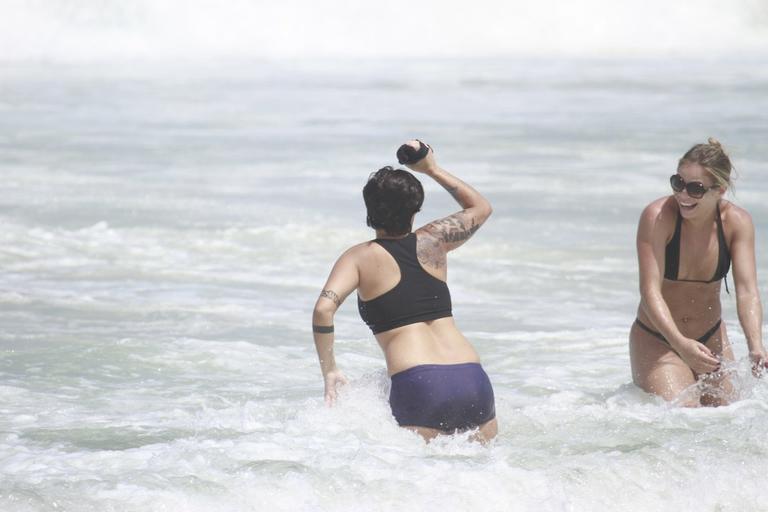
(695, 189)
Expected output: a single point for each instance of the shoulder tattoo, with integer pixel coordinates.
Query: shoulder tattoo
(430, 252)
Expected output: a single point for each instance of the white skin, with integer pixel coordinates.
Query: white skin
(371, 270)
(682, 311)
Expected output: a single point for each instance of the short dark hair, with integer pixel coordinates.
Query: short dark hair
(391, 198)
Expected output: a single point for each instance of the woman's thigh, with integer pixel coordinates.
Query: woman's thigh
(658, 369)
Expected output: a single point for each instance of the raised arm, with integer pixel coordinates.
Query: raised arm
(342, 281)
(651, 241)
(452, 231)
(748, 304)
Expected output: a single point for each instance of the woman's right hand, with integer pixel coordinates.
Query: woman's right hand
(698, 357)
(333, 380)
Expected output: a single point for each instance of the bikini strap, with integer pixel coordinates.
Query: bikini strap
(403, 250)
(723, 255)
(672, 252)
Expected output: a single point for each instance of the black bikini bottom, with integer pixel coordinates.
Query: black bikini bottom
(704, 338)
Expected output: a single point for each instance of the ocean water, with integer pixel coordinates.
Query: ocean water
(167, 223)
(166, 230)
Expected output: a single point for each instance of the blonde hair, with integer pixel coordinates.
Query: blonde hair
(712, 157)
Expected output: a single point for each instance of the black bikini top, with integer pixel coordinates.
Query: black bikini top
(672, 263)
(417, 297)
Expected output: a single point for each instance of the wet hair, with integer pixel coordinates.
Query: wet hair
(392, 197)
(712, 157)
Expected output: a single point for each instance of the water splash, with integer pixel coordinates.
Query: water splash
(734, 381)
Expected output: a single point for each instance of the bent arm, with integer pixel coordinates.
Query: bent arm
(342, 281)
(456, 229)
(452, 231)
(748, 305)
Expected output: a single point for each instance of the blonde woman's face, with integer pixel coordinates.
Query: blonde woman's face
(695, 191)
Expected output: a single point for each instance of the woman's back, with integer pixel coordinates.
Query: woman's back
(407, 304)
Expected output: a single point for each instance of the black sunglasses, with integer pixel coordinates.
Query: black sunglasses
(695, 189)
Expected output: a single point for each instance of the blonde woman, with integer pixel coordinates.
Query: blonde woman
(686, 244)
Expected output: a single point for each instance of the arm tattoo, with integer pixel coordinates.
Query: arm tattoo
(430, 249)
(453, 229)
(322, 329)
(461, 234)
(331, 295)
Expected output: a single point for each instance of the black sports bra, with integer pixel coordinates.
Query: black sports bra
(417, 297)
(672, 260)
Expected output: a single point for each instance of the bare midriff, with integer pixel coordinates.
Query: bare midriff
(433, 342)
(695, 306)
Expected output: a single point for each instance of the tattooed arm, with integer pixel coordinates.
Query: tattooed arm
(342, 281)
(448, 233)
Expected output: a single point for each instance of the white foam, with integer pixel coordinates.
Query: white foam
(156, 344)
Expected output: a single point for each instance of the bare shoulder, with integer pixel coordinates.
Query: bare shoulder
(659, 216)
(659, 209)
(736, 220)
(355, 254)
(734, 214)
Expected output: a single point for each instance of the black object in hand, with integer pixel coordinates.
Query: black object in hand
(406, 154)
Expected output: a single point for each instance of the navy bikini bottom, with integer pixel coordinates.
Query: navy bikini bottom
(704, 338)
(446, 397)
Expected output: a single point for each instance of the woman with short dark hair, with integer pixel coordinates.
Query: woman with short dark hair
(438, 385)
